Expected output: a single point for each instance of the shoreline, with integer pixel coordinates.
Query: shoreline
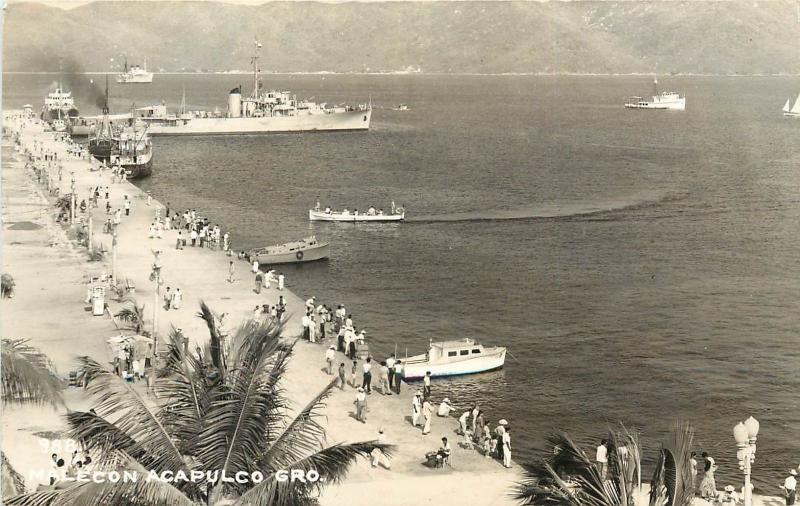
(434, 74)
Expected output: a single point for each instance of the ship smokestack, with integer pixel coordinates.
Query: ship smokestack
(235, 103)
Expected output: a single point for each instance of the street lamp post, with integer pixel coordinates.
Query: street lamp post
(745, 434)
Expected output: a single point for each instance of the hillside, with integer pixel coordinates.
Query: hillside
(481, 37)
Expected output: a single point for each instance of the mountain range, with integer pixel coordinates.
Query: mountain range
(594, 37)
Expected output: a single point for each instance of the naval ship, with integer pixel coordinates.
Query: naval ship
(269, 111)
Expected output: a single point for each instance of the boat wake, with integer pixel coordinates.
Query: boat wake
(551, 211)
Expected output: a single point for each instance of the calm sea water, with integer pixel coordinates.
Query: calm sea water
(641, 266)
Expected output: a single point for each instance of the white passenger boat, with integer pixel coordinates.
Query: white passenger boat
(453, 358)
(789, 110)
(305, 250)
(328, 215)
(664, 100)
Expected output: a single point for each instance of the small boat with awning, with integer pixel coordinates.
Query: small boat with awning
(305, 250)
(454, 358)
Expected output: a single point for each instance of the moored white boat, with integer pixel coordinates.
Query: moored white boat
(454, 358)
(789, 110)
(305, 250)
(328, 215)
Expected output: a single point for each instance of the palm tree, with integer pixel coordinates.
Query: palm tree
(672, 479)
(568, 477)
(28, 376)
(132, 315)
(217, 415)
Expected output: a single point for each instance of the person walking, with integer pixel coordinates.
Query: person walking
(258, 282)
(330, 356)
(427, 414)
(693, 467)
(255, 266)
(361, 405)
(231, 271)
(353, 370)
(127, 206)
(390, 365)
(367, 383)
(790, 487)
(177, 299)
(378, 457)
(426, 385)
(193, 236)
(384, 381)
(167, 299)
(416, 408)
(398, 375)
(281, 280)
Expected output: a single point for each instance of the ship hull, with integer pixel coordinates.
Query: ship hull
(332, 122)
(136, 171)
(139, 79)
(414, 368)
(353, 218)
(311, 254)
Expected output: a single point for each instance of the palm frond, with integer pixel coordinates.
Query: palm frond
(250, 407)
(118, 402)
(28, 375)
(332, 464)
(215, 335)
(12, 482)
(132, 315)
(184, 382)
(303, 436)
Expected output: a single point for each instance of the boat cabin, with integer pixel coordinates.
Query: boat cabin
(450, 351)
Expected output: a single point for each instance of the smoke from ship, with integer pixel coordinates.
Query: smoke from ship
(85, 89)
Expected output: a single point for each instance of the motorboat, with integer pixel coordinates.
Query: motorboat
(454, 358)
(305, 250)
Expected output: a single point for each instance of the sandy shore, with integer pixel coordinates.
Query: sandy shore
(49, 309)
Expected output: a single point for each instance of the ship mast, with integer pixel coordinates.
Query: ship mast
(255, 59)
(183, 101)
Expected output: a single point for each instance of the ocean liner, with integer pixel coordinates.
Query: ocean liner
(270, 111)
(135, 74)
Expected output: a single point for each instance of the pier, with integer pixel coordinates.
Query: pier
(51, 273)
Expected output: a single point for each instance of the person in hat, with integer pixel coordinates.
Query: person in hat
(361, 405)
(416, 408)
(426, 385)
(730, 496)
(790, 487)
(444, 408)
(378, 457)
(330, 356)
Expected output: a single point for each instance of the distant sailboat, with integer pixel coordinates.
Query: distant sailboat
(789, 110)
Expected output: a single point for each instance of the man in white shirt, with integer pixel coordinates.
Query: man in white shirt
(602, 459)
(507, 447)
(790, 487)
(306, 326)
(310, 303)
(390, 364)
(416, 408)
(367, 384)
(426, 385)
(330, 356)
(444, 408)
